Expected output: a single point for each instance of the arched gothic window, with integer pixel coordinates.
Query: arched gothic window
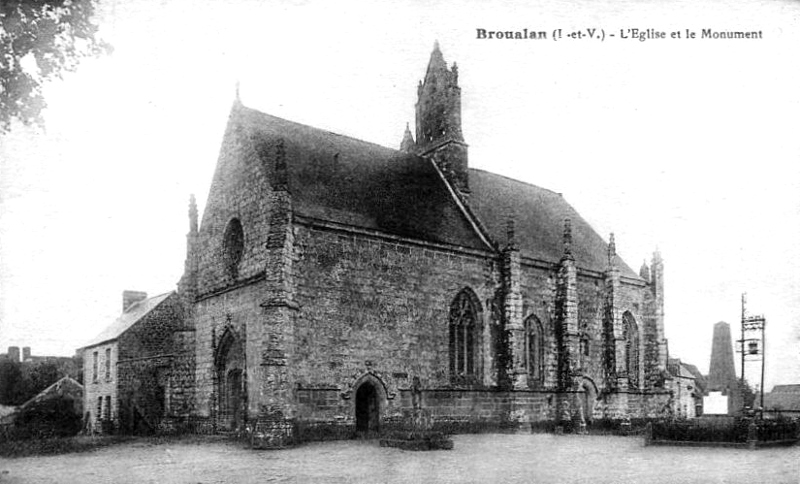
(631, 349)
(463, 329)
(534, 350)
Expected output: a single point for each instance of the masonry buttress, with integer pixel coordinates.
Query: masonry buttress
(567, 335)
(614, 337)
(273, 342)
(656, 351)
(512, 310)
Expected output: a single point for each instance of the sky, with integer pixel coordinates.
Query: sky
(686, 145)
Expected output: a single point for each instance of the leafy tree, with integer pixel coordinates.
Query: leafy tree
(748, 394)
(39, 41)
(20, 382)
(77, 368)
(12, 383)
(40, 375)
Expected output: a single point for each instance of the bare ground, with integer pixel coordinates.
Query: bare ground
(540, 458)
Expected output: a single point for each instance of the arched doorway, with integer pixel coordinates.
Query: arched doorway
(367, 409)
(234, 398)
(231, 382)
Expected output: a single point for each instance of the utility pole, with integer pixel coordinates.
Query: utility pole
(744, 302)
(752, 346)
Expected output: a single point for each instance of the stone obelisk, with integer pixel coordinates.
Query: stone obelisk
(722, 372)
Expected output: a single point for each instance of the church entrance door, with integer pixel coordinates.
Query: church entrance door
(231, 384)
(367, 412)
(234, 397)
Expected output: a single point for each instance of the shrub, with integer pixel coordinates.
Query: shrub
(48, 418)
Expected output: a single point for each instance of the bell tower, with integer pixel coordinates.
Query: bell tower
(438, 123)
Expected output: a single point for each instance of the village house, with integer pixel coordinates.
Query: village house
(687, 385)
(127, 366)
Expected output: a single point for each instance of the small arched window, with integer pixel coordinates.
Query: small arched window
(233, 246)
(534, 350)
(463, 330)
(631, 348)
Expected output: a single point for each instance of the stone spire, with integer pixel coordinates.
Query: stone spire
(438, 121)
(439, 103)
(408, 144)
(437, 59)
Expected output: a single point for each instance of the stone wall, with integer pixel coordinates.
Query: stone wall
(369, 303)
(377, 305)
(144, 367)
(240, 189)
(144, 396)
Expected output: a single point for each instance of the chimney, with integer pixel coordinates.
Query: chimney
(26, 353)
(13, 353)
(129, 298)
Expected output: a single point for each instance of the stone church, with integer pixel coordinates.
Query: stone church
(329, 274)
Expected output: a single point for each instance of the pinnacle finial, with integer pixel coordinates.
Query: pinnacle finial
(511, 232)
(644, 271)
(437, 59)
(281, 177)
(238, 99)
(192, 214)
(568, 237)
(612, 250)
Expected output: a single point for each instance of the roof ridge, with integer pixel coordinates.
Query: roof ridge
(27, 402)
(262, 113)
(121, 318)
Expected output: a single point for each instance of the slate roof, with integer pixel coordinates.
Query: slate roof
(783, 397)
(699, 378)
(128, 318)
(344, 180)
(539, 216)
